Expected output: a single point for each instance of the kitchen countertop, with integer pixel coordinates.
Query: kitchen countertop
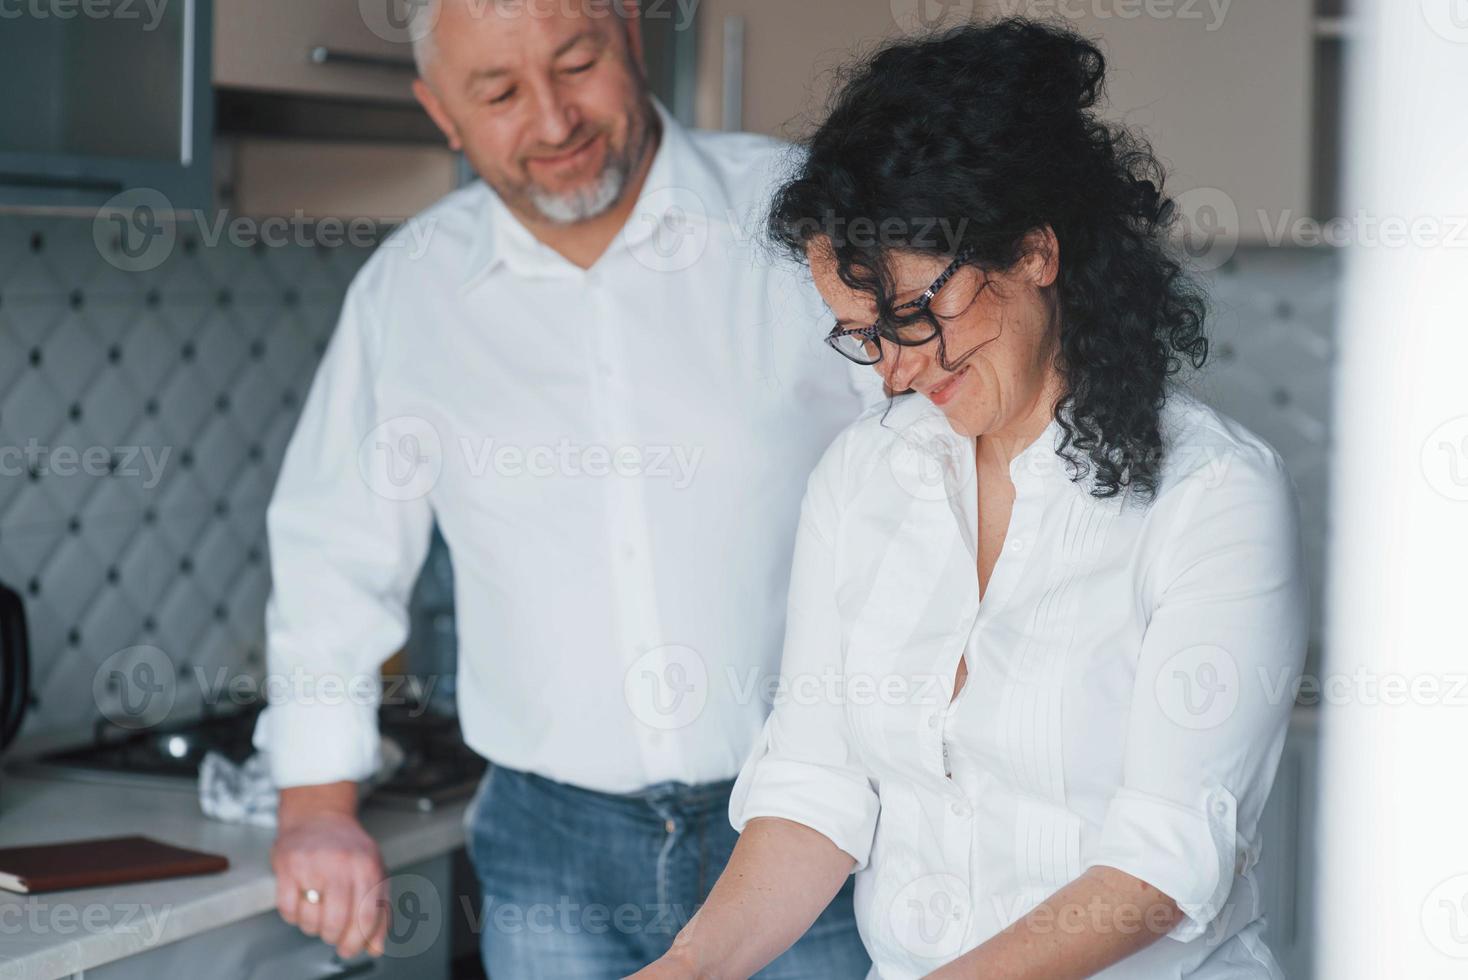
(57, 934)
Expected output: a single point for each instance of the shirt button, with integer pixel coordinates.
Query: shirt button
(1017, 544)
(934, 721)
(670, 826)
(961, 809)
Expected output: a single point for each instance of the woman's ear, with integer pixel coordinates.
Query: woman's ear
(1039, 264)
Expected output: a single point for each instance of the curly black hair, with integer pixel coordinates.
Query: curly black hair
(989, 132)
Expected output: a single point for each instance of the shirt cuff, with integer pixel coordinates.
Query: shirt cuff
(311, 744)
(1185, 852)
(838, 804)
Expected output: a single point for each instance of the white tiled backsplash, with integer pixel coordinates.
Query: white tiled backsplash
(190, 377)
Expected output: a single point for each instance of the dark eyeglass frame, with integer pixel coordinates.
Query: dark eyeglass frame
(875, 333)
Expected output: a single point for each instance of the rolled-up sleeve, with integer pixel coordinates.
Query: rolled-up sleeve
(343, 558)
(804, 766)
(1214, 684)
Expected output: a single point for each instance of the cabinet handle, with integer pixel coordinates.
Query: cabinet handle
(733, 107)
(322, 55)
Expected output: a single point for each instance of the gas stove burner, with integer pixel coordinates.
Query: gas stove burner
(437, 766)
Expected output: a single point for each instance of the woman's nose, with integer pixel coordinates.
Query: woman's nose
(899, 365)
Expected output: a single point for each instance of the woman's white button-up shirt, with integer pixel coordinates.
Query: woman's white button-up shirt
(1131, 671)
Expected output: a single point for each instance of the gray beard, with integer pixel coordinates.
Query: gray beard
(586, 203)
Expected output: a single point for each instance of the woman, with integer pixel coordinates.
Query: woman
(1059, 595)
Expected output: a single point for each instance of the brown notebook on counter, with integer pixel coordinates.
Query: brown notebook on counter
(94, 863)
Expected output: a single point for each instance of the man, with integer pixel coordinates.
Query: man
(609, 401)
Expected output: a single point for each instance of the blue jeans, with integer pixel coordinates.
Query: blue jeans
(581, 884)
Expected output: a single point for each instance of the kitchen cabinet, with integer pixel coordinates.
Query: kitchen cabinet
(324, 48)
(1233, 102)
(264, 947)
(102, 104)
(388, 182)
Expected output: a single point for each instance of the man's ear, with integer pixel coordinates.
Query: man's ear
(431, 104)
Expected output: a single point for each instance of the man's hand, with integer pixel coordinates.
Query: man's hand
(320, 845)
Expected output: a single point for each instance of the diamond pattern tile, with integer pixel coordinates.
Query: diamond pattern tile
(143, 416)
(1273, 328)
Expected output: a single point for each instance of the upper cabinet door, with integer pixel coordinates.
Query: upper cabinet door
(1223, 90)
(106, 100)
(349, 49)
(1224, 93)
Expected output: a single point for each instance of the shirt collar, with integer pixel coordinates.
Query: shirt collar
(924, 427)
(681, 182)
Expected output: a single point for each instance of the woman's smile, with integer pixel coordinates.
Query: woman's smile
(944, 392)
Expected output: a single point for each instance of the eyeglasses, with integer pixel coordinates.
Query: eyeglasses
(862, 344)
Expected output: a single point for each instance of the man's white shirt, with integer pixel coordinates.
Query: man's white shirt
(615, 456)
